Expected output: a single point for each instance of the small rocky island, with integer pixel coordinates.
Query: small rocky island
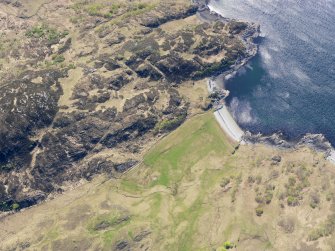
(86, 87)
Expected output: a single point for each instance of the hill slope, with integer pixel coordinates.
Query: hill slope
(87, 86)
(193, 191)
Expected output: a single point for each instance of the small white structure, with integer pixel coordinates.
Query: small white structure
(222, 115)
(228, 124)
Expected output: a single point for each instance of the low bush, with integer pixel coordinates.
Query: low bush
(58, 59)
(291, 181)
(214, 68)
(228, 245)
(329, 196)
(169, 124)
(224, 182)
(259, 198)
(292, 201)
(287, 225)
(268, 197)
(259, 211)
(251, 179)
(46, 32)
(314, 200)
(326, 229)
(15, 206)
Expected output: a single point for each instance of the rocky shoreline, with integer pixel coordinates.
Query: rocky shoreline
(250, 37)
(317, 142)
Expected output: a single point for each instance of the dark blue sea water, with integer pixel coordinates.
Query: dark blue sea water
(290, 85)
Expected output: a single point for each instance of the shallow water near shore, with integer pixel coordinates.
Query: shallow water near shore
(289, 86)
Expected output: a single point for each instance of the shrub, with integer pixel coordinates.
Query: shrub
(315, 235)
(268, 197)
(238, 178)
(142, 6)
(233, 193)
(314, 200)
(274, 174)
(4, 206)
(228, 245)
(98, 9)
(169, 124)
(15, 206)
(290, 168)
(258, 179)
(291, 181)
(292, 201)
(259, 198)
(302, 173)
(7, 167)
(94, 9)
(287, 225)
(58, 59)
(281, 196)
(324, 230)
(329, 196)
(72, 66)
(214, 68)
(270, 187)
(269, 193)
(251, 179)
(44, 31)
(225, 181)
(259, 211)
(36, 32)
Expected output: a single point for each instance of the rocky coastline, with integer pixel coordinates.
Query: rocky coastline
(317, 142)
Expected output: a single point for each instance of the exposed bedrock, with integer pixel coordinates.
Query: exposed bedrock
(90, 100)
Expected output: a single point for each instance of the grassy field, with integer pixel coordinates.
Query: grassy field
(192, 192)
(181, 164)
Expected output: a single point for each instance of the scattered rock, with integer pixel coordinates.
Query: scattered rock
(276, 160)
(142, 235)
(122, 245)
